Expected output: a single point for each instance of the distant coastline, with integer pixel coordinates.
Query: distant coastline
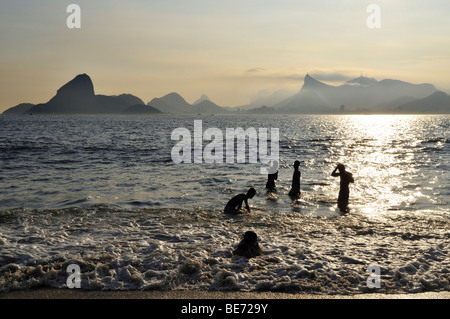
(358, 96)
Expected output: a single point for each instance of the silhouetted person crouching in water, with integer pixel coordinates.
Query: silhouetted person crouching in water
(234, 205)
(249, 246)
(344, 191)
(295, 188)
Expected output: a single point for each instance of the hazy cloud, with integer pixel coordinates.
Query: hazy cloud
(255, 70)
(297, 76)
(333, 77)
(273, 74)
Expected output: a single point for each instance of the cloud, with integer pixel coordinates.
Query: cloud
(298, 75)
(273, 75)
(255, 70)
(332, 77)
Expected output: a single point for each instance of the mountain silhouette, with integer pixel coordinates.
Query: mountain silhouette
(131, 99)
(436, 103)
(22, 108)
(309, 100)
(141, 109)
(202, 98)
(78, 97)
(176, 104)
(206, 107)
(357, 94)
(362, 80)
(311, 83)
(171, 103)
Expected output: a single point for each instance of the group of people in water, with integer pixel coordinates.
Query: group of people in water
(249, 246)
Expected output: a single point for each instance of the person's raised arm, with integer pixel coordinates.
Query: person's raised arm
(334, 174)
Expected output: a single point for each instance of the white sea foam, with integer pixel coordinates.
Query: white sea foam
(166, 250)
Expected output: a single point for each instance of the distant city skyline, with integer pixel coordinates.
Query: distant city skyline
(232, 51)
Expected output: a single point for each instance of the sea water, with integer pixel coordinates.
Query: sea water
(103, 193)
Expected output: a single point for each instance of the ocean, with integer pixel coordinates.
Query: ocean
(103, 193)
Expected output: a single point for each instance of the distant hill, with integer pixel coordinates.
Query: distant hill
(436, 103)
(201, 99)
(310, 99)
(171, 103)
(19, 109)
(176, 104)
(141, 109)
(262, 110)
(360, 94)
(78, 97)
(206, 107)
(176, 101)
(362, 80)
(131, 99)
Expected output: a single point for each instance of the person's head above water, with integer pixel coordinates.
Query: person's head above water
(250, 237)
(296, 164)
(341, 167)
(251, 193)
(249, 246)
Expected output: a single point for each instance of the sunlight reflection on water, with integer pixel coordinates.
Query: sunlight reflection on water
(399, 162)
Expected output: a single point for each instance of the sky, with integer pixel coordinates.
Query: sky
(233, 51)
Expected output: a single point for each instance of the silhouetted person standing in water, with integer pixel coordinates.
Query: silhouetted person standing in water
(234, 205)
(272, 176)
(295, 189)
(344, 191)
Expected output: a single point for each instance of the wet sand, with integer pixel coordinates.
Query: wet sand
(137, 294)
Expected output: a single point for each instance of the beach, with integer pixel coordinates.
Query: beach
(194, 294)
